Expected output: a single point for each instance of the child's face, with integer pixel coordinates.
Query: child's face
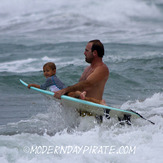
(48, 71)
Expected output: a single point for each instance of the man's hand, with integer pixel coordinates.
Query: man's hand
(59, 93)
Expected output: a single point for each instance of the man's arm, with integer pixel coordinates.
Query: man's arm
(77, 87)
(99, 74)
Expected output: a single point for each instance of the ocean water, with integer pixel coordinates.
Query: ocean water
(36, 128)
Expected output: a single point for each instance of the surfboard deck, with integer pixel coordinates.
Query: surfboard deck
(93, 108)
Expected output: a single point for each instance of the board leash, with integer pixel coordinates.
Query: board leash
(142, 117)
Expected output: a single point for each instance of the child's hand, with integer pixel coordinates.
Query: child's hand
(33, 85)
(29, 85)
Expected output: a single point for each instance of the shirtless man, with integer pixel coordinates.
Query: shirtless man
(94, 77)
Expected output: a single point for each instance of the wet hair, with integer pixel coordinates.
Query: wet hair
(98, 46)
(51, 65)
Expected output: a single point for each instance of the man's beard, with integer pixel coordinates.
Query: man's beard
(90, 59)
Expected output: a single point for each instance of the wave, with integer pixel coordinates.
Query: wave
(36, 64)
(58, 118)
(76, 20)
(58, 127)
(143, 58)
(150, 107)
(113, 10)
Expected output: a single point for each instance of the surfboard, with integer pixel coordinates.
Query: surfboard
(92, 108)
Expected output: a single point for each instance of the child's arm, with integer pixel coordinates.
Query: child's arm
(33, 85)
(44, 86)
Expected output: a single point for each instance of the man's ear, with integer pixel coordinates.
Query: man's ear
(95, 53)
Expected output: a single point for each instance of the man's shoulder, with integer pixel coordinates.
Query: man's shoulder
(103, 67)
(106, 67)
(102, 70)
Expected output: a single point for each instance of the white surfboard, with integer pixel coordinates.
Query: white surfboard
(92, 108)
